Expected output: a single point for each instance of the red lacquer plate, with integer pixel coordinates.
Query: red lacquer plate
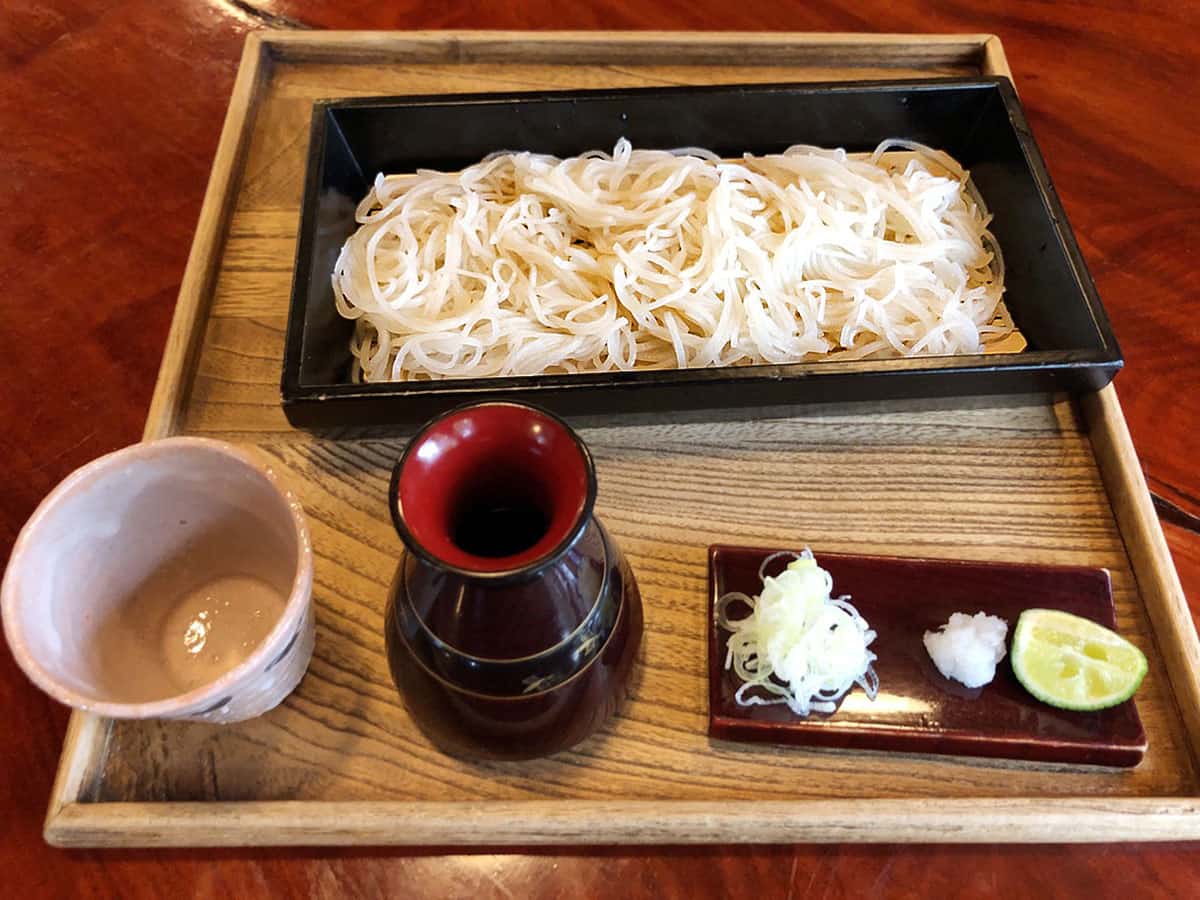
(917, 710)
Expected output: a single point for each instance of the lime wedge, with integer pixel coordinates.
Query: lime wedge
(1073, 663)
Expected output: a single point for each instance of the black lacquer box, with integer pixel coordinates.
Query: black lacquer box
(979, 121)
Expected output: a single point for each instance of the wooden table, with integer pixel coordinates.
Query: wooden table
(110, 117)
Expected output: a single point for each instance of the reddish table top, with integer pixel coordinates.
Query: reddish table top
(110, 115)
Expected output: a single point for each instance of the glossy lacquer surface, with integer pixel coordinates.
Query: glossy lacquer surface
(917, 710)
(518, 708)
(1103, 85)
(978, 121)
(513, 620)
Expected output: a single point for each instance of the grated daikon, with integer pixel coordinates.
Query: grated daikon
(967, 648)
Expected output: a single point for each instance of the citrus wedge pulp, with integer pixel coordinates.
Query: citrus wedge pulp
(1073, 663)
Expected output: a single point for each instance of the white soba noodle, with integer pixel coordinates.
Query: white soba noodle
(525, 264)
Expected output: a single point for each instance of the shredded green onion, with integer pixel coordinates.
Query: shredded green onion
(799, 645)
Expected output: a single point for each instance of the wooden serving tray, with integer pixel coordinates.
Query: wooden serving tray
(1025, 479)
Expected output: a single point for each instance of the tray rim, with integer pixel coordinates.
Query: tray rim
(72, 823)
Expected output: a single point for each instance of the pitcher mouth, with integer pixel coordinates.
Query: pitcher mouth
(494, 490)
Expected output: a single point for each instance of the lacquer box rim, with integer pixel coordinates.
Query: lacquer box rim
(980, 119)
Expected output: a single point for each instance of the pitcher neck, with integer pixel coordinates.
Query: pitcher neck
(493, 491)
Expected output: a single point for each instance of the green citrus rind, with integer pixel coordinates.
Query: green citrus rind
(1074, 663)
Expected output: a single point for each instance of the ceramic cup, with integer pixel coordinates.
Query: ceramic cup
(171, 579)
(514, 619)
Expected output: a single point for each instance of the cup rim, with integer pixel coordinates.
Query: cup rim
(199, 699)
(523, 571)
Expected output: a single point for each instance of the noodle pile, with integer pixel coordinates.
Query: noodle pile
(525, 264)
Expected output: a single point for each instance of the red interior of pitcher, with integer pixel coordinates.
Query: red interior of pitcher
(493, 488)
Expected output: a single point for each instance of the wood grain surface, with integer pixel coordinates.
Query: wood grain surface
(1012, 484)
(105, 172)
